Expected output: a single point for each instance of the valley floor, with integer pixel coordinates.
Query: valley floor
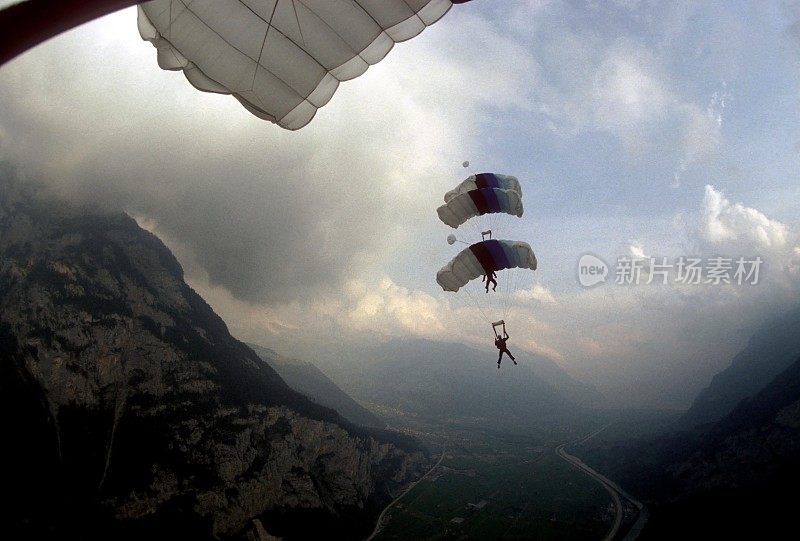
(626, 508)
(494, 486)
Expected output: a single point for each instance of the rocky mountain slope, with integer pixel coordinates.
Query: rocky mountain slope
(770, 350)
(309, 380)
(737, 480)
(733, 479)
(127, 410)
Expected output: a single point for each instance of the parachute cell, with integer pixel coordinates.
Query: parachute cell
(282, 59)
(483, 258)
(485, 180)
(478, 202)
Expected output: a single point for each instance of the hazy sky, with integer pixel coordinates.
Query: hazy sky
(636, 128)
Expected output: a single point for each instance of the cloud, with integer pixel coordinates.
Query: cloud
(666, 341)
(733, 223)
(614, 73)
(269, 215)
(702, 133)
(392, 310)
(535, 293)
(317, 240)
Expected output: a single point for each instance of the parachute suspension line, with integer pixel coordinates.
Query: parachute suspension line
(472, 228)
(297, 18)
(501, 295)
(477, 304)
(263, 43)
(509, 290)
(514, 288)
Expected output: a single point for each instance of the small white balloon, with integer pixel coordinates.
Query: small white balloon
(465, 164)
(451, 239)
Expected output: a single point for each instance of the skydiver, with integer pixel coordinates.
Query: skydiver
(500, 343)
(490, 278)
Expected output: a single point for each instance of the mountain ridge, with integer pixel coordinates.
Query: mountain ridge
(143, 416)
(732, 478)
(770, 350)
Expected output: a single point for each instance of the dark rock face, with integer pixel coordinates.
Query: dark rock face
(128, 410)
(737, 480)
(733, 479)
(772, 349)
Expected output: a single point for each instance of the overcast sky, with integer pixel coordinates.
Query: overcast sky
(637, 128)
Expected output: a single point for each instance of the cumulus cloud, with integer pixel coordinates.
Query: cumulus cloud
(667, 341)
(393, 310)
(537, 293)
(725, 223)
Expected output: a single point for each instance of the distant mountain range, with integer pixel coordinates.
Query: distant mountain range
(452, 381)
(127, 410)
(738, 479)
(723, 471)
(773, 348)
(306, 378)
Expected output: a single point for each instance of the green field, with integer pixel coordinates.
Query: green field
(530, 494)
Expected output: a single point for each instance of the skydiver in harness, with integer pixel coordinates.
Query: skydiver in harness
(500, 342)
(490, 278)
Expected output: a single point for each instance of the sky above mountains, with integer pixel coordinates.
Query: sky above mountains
(636, 128)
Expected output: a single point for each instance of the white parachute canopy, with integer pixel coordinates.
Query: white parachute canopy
(282, 59)
(478, 202)
(483, 258)
(484, 180)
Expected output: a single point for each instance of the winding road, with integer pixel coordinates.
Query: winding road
(617, 494)
(379, 523)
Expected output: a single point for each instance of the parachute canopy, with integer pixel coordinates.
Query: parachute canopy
(485, 180)
(282, 59)
(482, 258)
(478, 202)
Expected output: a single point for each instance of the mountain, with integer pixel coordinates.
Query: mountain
(128, 411)
(576, 391)
(732, 479)
(309, 380)
(454, 382)
(770, 350)
(739, 479)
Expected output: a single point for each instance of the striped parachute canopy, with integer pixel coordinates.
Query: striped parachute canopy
(482, 258)
(485, 180)
(282, 59)
(478, 202)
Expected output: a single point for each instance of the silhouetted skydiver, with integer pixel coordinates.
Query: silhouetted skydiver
(501, 345)
(490, 278)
